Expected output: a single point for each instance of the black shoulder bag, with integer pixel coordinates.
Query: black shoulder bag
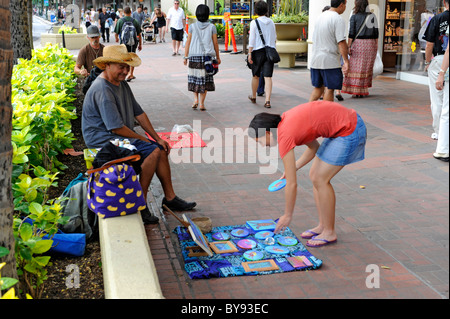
(271, 53)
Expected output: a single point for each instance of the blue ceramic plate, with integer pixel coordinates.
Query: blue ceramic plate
(262, 235)
(221, 236)
(253, 255)
(287, 241)
(277, 185)
(246, 244)
(277, 250)
(240, 232)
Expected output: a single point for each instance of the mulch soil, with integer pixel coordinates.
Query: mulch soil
(89, 265)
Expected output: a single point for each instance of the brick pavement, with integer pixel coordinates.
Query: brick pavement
(399, 220)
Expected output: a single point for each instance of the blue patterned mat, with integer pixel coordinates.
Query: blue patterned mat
(230, 264)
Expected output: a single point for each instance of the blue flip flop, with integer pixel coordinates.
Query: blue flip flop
(309, 237)
(325, 242)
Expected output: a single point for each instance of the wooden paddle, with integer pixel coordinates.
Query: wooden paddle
(185, 224)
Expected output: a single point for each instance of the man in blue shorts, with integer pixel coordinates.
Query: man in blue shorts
(329, 44)
(109, 112)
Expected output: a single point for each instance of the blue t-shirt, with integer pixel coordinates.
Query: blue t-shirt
(107, 107)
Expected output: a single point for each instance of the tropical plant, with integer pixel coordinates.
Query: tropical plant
(290, 11)
(67, 29)
(42, 89)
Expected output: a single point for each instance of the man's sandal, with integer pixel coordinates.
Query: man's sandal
(267, 105)
(252, 99)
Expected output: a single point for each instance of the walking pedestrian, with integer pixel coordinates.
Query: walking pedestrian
(362, 49)
(344, 134)
(442, 84)
(329, 44)
(201, 42)
(434, 55)
(139, 15)
(176, 20)
(160, 18)
(104, 24)
(128, 31)
(257, 52)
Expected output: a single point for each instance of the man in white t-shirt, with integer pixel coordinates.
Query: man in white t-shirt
(176, 21)
(329, 44)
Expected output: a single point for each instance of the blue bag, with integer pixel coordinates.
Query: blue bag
(68, 244)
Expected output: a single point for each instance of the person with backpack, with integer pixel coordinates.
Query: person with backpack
(128, 32)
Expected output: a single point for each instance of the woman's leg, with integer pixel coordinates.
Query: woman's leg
(255, 83)
(201, 103)
(321, 174)
(268, 87)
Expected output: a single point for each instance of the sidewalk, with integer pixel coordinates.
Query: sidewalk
(399, 220)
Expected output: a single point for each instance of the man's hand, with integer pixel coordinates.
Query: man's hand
(164, 144)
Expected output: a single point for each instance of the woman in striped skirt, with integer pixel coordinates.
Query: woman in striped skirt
(201, 42)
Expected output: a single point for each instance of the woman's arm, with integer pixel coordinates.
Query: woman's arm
(290, 173)
(186, 48)
(216, 47)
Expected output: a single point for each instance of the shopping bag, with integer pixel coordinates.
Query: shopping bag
(378, 66)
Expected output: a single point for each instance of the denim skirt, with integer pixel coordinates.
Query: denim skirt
(344, 150)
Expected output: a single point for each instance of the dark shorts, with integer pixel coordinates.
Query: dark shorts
(260, 63)
(177, 35)
(330, 78)
(146, 148)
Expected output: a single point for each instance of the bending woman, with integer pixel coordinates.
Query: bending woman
(345, 139)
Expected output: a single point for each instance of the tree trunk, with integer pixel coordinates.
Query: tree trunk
(20, 35)
(6, 201)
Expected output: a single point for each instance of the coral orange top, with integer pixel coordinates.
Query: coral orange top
(306, 122)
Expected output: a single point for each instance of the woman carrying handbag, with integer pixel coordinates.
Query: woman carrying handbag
(363, 47)
(257, 55)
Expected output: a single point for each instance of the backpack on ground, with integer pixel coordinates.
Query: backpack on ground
(129, 33)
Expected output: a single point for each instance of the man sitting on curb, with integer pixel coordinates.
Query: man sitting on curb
(90, 52)
(109, 111)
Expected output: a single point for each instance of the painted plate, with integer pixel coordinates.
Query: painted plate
(277, 250)
(263, 234)
(221, 236)
(277, 185)
(246, 244)
(240, 232)
(287, 241)
(253, 255)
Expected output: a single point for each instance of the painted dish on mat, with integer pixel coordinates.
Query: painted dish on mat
(287, 241)
(240, 232)
(253, 255)
(278, 250)
(220, 236)
(246, 244)
(262, 235)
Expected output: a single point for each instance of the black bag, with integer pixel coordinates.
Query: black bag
(271, 53)
(95, 72)
(211, 65)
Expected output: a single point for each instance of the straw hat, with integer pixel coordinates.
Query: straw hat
(117, 54)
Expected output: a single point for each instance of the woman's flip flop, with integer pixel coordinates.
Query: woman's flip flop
(308, 236)
(325, 242)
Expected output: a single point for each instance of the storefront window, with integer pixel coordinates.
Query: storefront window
(406, 22)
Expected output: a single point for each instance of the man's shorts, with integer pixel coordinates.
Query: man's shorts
(177, 35)
(330, 78)
(146, 148)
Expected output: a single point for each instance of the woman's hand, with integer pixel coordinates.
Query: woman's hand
(185, 61)
(282, 223)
